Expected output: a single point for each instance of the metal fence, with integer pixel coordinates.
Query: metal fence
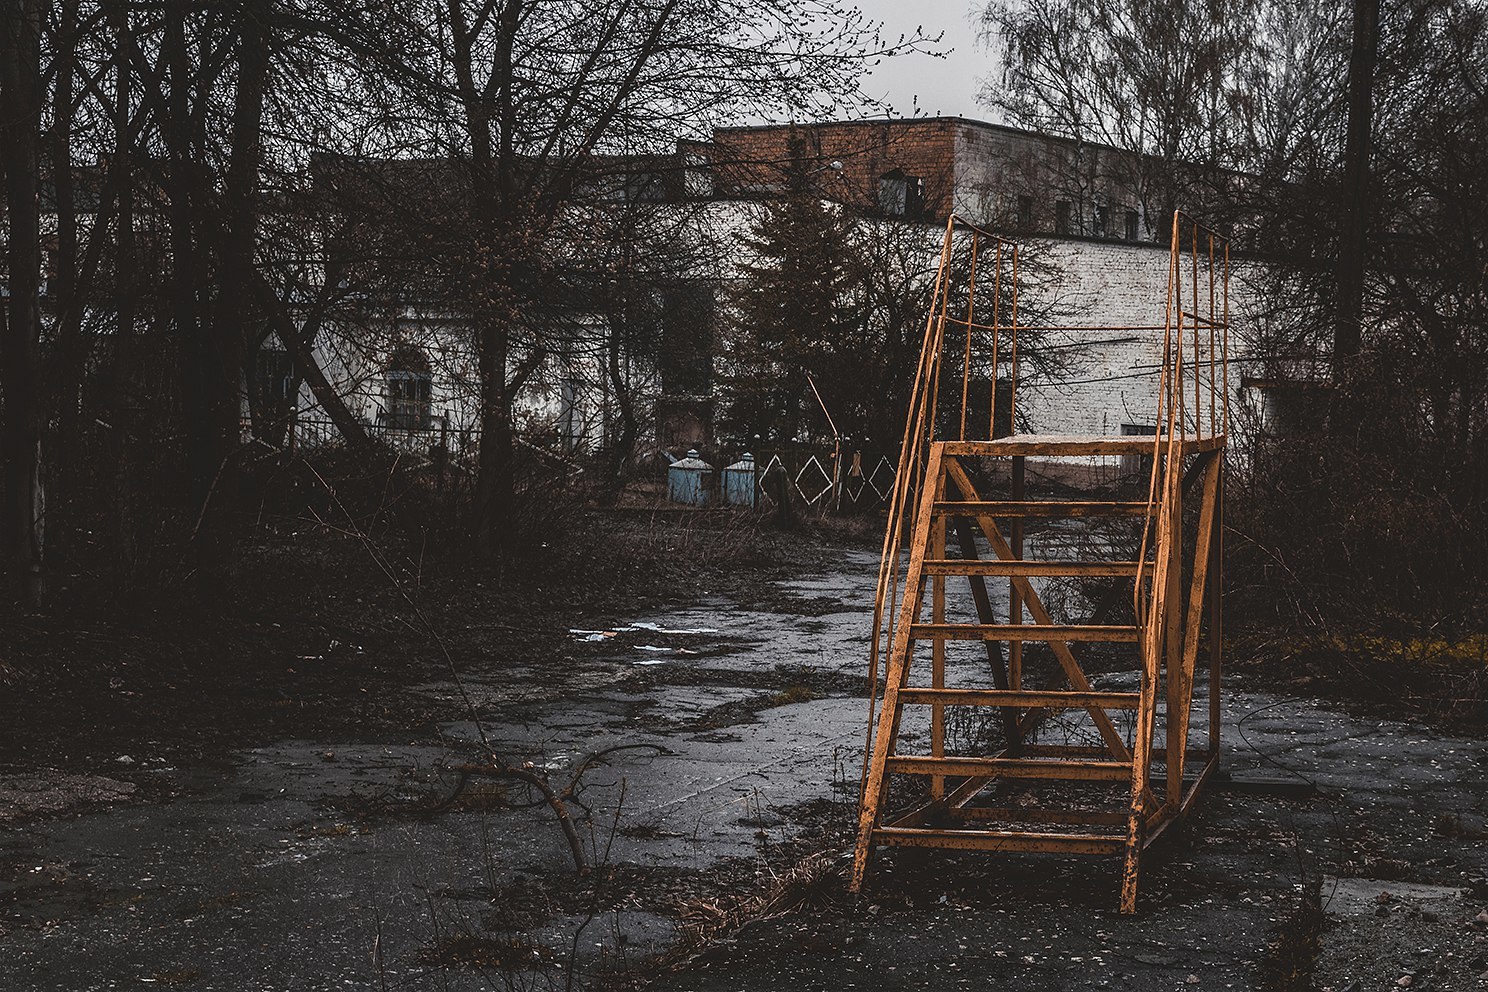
(313, 433)
(827, 478)
(822, 478)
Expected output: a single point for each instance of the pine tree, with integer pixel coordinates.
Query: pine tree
(800, 311)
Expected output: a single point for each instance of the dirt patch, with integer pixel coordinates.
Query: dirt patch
(1384, 934)
(52, 791)
(743, 711)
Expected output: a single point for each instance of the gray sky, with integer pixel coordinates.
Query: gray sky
(943, 86)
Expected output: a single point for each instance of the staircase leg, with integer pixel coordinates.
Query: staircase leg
(1130, 868)
(1216, 610)
(1136, 823)
(896, 673)
(937, 658)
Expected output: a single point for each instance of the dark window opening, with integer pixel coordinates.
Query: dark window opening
(1131, 225)
(1025, 213)
(1100, 221)
(1002, 419)
(900, 195)
(410, 391)
(1061, 217)
(1137, 464)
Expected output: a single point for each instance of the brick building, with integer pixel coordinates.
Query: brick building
(1084, 206)
(1090, 211)
(922, 169)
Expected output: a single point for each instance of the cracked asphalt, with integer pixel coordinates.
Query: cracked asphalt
(732, 737)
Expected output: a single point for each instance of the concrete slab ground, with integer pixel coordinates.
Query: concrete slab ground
(737, 736)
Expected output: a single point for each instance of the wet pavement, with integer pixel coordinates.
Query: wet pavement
(731, 738)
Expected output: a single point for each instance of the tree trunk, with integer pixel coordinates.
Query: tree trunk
(624, 441)
(495, 490)
(301, 346)
(122, 385)
(493, 174)
(1353, 226)
(195, 347)
(64, 285)
(224, 347)
(21, 534)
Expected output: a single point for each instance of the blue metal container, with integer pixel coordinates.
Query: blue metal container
(738, 482)
(689, 480)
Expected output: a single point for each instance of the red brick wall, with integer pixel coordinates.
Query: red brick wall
(757, 160)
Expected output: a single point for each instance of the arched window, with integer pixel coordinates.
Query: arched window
(410, 393)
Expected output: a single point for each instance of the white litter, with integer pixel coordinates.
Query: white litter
(646, 625)
(659, 629)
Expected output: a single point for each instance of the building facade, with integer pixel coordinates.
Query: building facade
(405, 363)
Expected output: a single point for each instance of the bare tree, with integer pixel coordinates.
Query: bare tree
(1354, 227)
(539, 90)
(20, 332)
(1160, 81)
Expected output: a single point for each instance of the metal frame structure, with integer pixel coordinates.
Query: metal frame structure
(1174, 582)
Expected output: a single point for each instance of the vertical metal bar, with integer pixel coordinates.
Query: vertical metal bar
(1142, 738)
(996, 334)
(1175, 735)
(970, 316)
(1013, 370)
(1213, 432)
(1216, 609)
(1015, 595)
(934, 406)
(937, 653)
(966, 538)
(1194, 260)
(1177, 385)
(1227, 338)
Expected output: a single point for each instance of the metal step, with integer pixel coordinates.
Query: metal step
(1075, 771)
(1022, 699)
(1076, 444)
(1024, 632)
(977, 566)
(998, 840)
(1043, 508)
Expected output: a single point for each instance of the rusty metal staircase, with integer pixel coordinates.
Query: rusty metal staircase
(1126, 770)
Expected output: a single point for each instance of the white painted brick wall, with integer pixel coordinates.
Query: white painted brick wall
(1114, 380)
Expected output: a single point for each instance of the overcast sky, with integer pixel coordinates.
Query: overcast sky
(943, 86)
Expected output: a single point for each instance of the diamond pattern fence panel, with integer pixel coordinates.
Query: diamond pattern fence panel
(825, 480)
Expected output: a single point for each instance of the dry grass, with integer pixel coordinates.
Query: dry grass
(814, 883)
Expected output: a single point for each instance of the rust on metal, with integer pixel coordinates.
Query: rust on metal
(1174, 580)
